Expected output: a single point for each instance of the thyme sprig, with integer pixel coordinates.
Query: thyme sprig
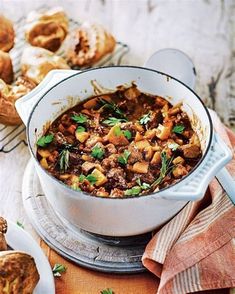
(113, 107)
(165, 168)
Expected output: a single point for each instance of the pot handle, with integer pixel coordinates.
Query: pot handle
(194, 186)
(174, 63)
(25, 104)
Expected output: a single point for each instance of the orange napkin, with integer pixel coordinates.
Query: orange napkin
(195, 251)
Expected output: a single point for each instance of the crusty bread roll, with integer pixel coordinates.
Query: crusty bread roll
(8, 95)
(6, 69)
(88, 44)
(18, 273)
(3, 230)
(7, 34)
(36, 62)
(47, 30)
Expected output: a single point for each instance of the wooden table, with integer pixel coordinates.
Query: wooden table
(205, 30)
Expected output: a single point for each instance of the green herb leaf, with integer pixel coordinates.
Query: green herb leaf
(107, 291)
(173, 146)
(45, 140)
(124, 157)
(80, 129)
(58, 269)
(165, 168)
(20, 224)
(112, 121)
(81, 178)
(117, 131)
(178, 129)
(133, 191)
(64, 160)
(92, 179)
(127, 134)
(143, 186)
(80, 118)
(145, 119)
(97, 152)
(112, 106)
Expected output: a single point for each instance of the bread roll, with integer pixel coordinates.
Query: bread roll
(47, 30)
(6, 69)
(8, 95)
(7, 34)
(88, 44)
(37, 62)
(18, 273)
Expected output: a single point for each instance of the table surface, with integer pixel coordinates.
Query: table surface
(205, 30)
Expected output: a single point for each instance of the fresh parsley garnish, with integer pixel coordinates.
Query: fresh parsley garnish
(127, 134)
(79, 118)
(124, 157)
(90, 178)
(58, 269)
(145, 119)
(45, 140)
(112, 121)
(143, 186)
(178, 129)
(64, 160)
(133, 191)
(165, 168)
(97, 152)
(20, 224)
(80, 129)
(117, 131)
(107, 291)
(112, 106)
(173, 146)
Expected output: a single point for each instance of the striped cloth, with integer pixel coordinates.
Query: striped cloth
(195, 251)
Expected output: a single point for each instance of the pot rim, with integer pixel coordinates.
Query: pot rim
(126, 197)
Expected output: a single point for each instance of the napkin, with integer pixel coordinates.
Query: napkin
(195, 251)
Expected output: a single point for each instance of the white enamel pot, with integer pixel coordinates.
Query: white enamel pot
(129, 216)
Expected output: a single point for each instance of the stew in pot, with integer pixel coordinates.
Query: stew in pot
(121, 144)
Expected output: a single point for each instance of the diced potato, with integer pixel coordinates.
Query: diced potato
(156, 158)
(90, 103)
(164, 110)
(179, 171)
(195, 140)
(140, 167)
(138, 136)
(138, 127)
(142, 144)
(164, 131)
(150, 134)
(160, 101)
(44, 163)
(117, 139)
(148, 152)
(191, 151)
(82, 137)
(178, 160)
(86, 157)
(100, 177)
(87, 166)
(65, 176)
(156, 147)
(174, 111)
(44, 153)
(179, 141)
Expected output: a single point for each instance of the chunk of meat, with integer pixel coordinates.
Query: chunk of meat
(136, 155)
(59, 139)
(117, 177)
(191, 151)
(111, 148)
(101, 192)
(110, 162)
(117, 193)
(88, 166)
(93, 140)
